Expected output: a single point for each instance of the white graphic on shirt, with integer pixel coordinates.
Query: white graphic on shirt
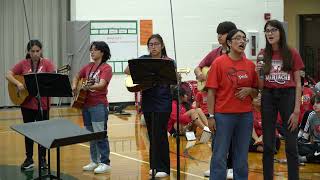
(95, 77)
(39, 70)
(276, 74)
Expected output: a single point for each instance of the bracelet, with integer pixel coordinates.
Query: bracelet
(211, 116)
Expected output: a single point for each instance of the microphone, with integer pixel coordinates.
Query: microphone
(260, 58)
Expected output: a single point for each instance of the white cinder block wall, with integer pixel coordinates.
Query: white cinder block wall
(195, 23)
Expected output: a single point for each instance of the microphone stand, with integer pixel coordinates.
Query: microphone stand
(178, 99)
(40, 112)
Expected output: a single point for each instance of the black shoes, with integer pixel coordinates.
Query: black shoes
(27, 164)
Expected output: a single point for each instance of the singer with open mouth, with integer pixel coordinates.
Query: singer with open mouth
(281, 93)
(231, 83)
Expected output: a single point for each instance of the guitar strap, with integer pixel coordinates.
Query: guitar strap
(32, 67)
(93, 71)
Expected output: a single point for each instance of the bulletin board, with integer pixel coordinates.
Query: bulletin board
(122, 38)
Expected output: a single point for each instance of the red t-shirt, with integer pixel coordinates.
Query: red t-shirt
(278, 78)
(226, 75)
(104, 71)
(24, 67)
(305, 102)
(257, 123)
(207, 61)
(202, 99)
(184, 118)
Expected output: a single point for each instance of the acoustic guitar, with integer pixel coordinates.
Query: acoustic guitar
(202, 84)
(138, 87)
(81, 93)
(17, 97)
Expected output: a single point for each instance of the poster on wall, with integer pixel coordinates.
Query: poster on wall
(122, 38)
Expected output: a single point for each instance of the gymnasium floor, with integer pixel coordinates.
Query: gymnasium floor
(129, 152)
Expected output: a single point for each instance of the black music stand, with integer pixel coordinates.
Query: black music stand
(54, 134)
(50, 84)
(47, 85)
(149, 73)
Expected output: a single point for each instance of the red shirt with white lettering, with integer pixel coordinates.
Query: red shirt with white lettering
(96, 72)
(226, 76)
(24, 67)
(279, 78)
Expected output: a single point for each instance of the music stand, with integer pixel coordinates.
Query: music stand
(50, 84)
(54, 134)
(149, 73)
(47, 85)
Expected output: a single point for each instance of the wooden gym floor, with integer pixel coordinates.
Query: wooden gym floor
(129, 152)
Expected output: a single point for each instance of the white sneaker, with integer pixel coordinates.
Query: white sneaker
(230, 174)
(90, 167)
(102, 168)
(158, 174)
(207, 173)
(161, 175)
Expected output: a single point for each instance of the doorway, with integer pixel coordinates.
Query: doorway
(310, 44)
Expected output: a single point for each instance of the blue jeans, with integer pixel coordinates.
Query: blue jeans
(95, 119)
(238, 128)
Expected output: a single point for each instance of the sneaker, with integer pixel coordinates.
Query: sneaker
(158, 174)
(90, 167)
(207, 173)
(27, 164)
(161, 175)
(230, 174)
(102, 168)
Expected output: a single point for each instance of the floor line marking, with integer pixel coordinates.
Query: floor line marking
(141, 161)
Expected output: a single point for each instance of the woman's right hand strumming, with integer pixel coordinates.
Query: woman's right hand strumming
(20, 86)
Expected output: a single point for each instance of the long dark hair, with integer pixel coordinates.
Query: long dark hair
(103, 47)
(163, 50)
(31, 43)
(283, 46)
(182, 92)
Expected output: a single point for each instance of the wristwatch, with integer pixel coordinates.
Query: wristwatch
(211, 116)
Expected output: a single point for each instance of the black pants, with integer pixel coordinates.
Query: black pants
(311, 151)
(30, 115)
(157, 125)
(272, 102)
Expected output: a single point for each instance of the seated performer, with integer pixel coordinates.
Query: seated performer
(189, 119)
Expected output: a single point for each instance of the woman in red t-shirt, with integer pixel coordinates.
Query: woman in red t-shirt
(231, 84)
(95, 109)
(281, 92)
(33, 63)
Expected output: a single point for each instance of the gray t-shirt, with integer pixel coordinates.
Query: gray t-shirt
(314, 121)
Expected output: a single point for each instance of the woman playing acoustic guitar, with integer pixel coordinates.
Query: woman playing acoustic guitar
(95, 108)
(33, 63)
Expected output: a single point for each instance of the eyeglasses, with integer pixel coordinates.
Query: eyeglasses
(239, 38)
(156, 44)
(272, 30)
